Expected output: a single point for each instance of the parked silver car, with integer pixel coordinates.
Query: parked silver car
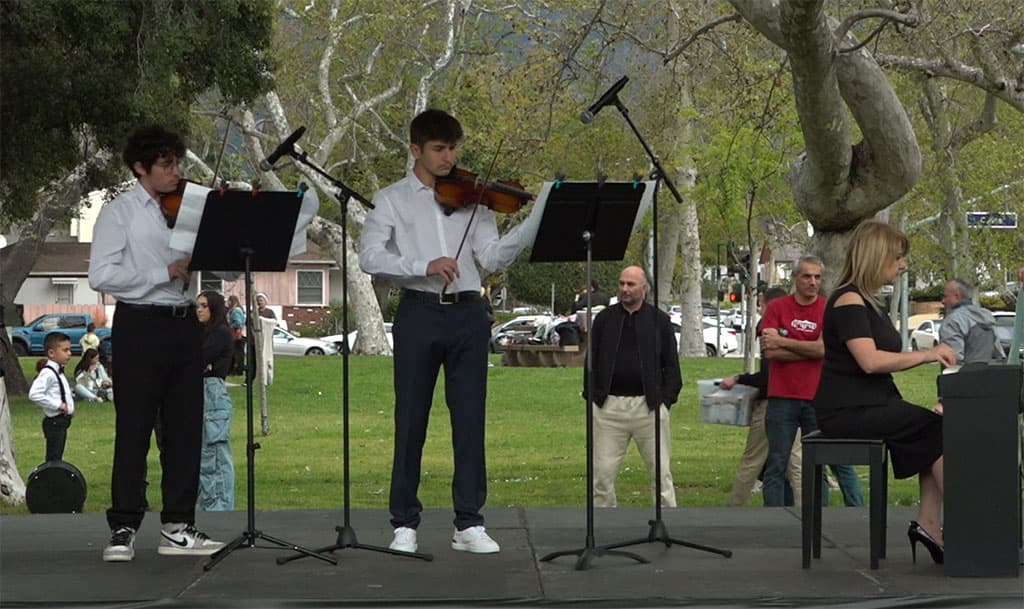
(286, 343)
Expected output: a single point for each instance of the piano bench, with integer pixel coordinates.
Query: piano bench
(820, 450)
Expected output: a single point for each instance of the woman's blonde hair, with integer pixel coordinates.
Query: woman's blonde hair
(873, 246)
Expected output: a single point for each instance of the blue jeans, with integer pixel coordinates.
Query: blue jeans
(216, 469)
(848, 484)
(783, 418)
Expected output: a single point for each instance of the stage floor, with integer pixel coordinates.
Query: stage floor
(54, 561)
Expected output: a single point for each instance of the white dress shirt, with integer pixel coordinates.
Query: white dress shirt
(408, 228)
(45, 391)
(130, 252)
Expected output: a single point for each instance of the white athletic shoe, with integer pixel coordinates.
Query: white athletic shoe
(475, 540)
(405, 540)
(179, 539)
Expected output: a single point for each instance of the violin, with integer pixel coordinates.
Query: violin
(170, 202)
(462, 188)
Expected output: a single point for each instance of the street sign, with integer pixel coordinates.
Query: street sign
(991, 219)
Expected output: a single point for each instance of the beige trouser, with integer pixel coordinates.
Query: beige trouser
(754, 456)
(622, 418)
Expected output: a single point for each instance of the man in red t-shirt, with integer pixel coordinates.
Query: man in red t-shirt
(791, 342)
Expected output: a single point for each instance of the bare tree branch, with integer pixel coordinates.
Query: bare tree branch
(1010, 91)
(881, 13)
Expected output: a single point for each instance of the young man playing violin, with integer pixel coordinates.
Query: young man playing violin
(159, 372)
(412, 241)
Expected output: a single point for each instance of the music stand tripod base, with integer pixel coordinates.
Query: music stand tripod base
(588, 221)
(346, 533)
(243, 231)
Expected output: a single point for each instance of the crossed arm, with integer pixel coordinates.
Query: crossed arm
(780, 348)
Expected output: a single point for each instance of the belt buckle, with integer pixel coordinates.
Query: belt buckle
(447, 299)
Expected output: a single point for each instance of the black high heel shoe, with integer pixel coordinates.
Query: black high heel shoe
(916, 533)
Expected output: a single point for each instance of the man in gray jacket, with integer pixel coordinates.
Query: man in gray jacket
(968, 328)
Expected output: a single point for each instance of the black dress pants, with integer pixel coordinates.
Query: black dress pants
(158, 374)
(429, 336)
(55, 430)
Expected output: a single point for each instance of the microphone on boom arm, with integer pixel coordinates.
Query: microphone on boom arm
(286, 147)
(610, 97)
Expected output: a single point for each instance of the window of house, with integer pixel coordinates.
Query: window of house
(65, 293)
(310, 287)
(210, 282)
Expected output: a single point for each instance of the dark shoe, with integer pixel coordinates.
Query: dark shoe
(916, 533)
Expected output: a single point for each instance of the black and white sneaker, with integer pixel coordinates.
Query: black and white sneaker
(179, 539)
(121, 547)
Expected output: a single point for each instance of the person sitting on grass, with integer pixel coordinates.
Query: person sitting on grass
(91, 380)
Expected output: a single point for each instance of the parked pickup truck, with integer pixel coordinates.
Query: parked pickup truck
(28, 339)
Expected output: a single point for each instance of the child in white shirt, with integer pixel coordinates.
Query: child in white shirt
(52, 392)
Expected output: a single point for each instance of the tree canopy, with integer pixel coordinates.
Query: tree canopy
(78, 76)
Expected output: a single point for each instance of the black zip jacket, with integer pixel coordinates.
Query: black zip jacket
(659, 354)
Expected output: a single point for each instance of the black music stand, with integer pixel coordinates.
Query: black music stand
(346, 532)
(248, 231)
(588, 221)
(657, 531)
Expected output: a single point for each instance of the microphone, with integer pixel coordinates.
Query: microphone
(610, 96)
(286, 147)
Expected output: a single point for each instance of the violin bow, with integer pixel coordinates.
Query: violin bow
(479, 198)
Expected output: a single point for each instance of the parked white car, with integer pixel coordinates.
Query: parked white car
(338, 340)
(926, 335)
(729, 342)
(286, 343)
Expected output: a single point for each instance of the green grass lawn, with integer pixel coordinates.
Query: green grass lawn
(535, 440)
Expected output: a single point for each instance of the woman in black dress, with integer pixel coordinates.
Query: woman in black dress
(857, 397)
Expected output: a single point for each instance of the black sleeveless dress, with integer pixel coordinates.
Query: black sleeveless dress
(851, 403)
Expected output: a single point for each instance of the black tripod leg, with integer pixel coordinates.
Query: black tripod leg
(245, 540)
(659, 533)
(347, 539)
(297, 548)
(587, 555)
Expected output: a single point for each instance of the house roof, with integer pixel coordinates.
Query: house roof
(60, 258)
(72, 258)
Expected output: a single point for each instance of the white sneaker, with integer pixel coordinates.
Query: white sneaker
(405, 540)
(475, 540)
(179, 539)
(121, 547)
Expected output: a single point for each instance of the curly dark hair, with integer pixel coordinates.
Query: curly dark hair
(149, 144)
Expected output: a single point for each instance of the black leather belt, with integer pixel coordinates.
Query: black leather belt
(179, 311)
(446, 298)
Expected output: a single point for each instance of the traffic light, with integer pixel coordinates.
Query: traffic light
(736, 293)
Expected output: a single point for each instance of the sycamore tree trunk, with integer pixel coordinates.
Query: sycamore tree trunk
(835, 182)
(12, 487)
(691, 337)
(371, 339)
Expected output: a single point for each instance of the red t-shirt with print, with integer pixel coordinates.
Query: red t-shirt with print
(799, 379)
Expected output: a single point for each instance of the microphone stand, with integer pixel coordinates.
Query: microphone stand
(346, 533)
(657, 532)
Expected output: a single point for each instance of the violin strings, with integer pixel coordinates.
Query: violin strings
(480, 197)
